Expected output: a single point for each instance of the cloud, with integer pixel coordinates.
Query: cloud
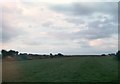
(10, 32)
(87, 8)
(71, 28)
(100, 18)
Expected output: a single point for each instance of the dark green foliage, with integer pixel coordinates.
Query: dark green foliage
(59, 54)
(103, 55)
(4, 53)
(12, 53)
(9, 53)
(51, 55)
(23, 56)
(118, 55)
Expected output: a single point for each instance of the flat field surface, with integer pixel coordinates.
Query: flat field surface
(64, 69)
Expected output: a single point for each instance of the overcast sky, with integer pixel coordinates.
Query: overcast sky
(67, 27)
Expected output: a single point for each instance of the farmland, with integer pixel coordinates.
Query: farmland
(64, 69)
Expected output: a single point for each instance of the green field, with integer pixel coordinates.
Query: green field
(64, 69)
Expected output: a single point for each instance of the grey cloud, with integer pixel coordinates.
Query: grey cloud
(60, 36)
(83, 14)
(75, 20)
(95, 32)
(86, 8)
(107, 27)
(9, 32)
(32, 42)
(47, 24)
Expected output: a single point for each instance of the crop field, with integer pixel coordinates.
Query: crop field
(64, 69)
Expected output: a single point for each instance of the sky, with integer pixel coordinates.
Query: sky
(59, 26)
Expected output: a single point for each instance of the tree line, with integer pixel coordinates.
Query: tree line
(9, 53)
(16, 54)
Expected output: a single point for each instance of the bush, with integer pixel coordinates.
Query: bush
(103, 55)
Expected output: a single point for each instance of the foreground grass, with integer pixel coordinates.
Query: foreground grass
(69, 69)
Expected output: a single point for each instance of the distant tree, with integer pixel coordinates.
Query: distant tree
(51, 55)
(103, 55)
(24, 56)
(59, 54)
(13, 53)
(118, 55)
(4, 53)
(112, 54)
(56, 55)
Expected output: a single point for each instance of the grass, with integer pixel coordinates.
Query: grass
(68, 69)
